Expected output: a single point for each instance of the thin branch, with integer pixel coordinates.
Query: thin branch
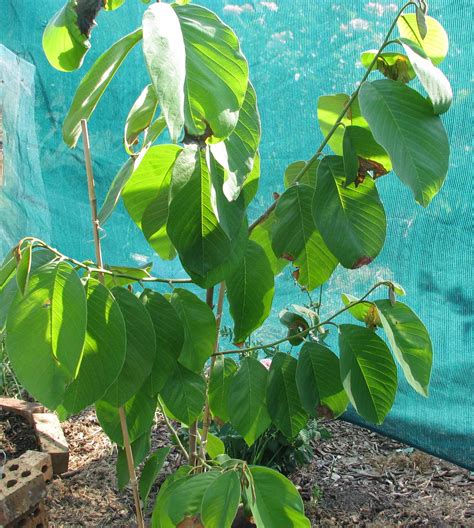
(173, 430)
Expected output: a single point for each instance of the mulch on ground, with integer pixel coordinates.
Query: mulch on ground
(16, 436)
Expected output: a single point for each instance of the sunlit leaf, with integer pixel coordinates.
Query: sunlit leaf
(140, 116)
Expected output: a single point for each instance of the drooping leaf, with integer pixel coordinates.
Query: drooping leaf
(368, 372)
(247, 406)
(139, 411)
(262, 235)
(296, 238)
(236, 154)
(165, 57)
(403, 122)
(202, 223)
(24, 269)
(392, 65)
(184, 394)
(410, 343)
(421, 22)
(219, 385)
(214, 65)
(46, 330)
(140, 116)
(250, 290)
(433, 79)
(351, 220)
(435, 43)
(277, 502)
(103, 355)
(296, 324)
(221, 501)
(140, 348)
(169, 334)
(140, 449)
(283, 402)
(199, 327)
(364, 311)
(150, 472)
(318, 381)
(94, 84)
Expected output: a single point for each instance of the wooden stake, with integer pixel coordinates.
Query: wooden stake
(98, 255)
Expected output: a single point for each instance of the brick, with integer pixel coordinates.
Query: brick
(21, 489)
(23, 408)
(51, 440)
(39, 461)
(37, 517)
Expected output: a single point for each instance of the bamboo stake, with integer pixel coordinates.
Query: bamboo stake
(98, 254)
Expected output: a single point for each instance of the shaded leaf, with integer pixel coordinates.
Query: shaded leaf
(296, 324)
(221, 501)
(140, 449)
(219, 386)
(150, 472)
(140, 116)
(261, 234)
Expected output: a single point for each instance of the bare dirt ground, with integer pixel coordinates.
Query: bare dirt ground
(357, 478)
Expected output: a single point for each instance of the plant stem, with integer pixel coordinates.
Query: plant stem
(173, 430)
(309, 329)
(98, 254)
(338, 121)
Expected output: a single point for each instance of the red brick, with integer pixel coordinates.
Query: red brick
(51, 440)
(39, 461)
(21, 407)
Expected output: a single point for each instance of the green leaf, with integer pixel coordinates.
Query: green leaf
(134, 275)
(237, 153)
(365, 147)
(140, 348)
(24, 268)
(421, 22)
(392, 65)
(221, 501)
(250, 290)
(140, 449)
(368, 372)
(140, 116)
(63, 43)
(351, 161)
(219, 386)
(250, 185)
(351, 219)
(184, 394)
(199, 328)
(261, 234)
(181, 500)
(283, 402)
(150, 472)
(169, 334)
(435, 44)
(318, 381)
(214, 65)
(165, 57)
(46, 330)
(246, 404)
(94, 84)
(296, 324)
(294, 170)
(410, 343)
(296, 238)
(103, 355)
(277, 502)
(403, 122)
(8, 268)
(364, 311)
(139, 410)
(202, 223)
(433, 79)
(215, 446)
(111, 5)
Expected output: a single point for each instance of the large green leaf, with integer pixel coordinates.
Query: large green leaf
(247, 407)
(318, 381)
(403, 122)
(435, 44)
(250, 290)
(262, 235)
(433, 79)
(283, 402)
(151, 470)
(199, 328)
(165, 57)
(94, 84)
(216, 72)
(140, 349)
(181, 500)
(184, 394)
(365, 147)
(202, 223)
(146, 196)
(277, 502)
(221, 501)
(237, 153)
(140, 413)
(219, 386)
(140, 449)
(296, 238)
(169, 334)
(410, 343)
(63, 43)
(368, 372)
(104, 350)
(140, 117)
(351, 219)
(294, 170)
(46, 329)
